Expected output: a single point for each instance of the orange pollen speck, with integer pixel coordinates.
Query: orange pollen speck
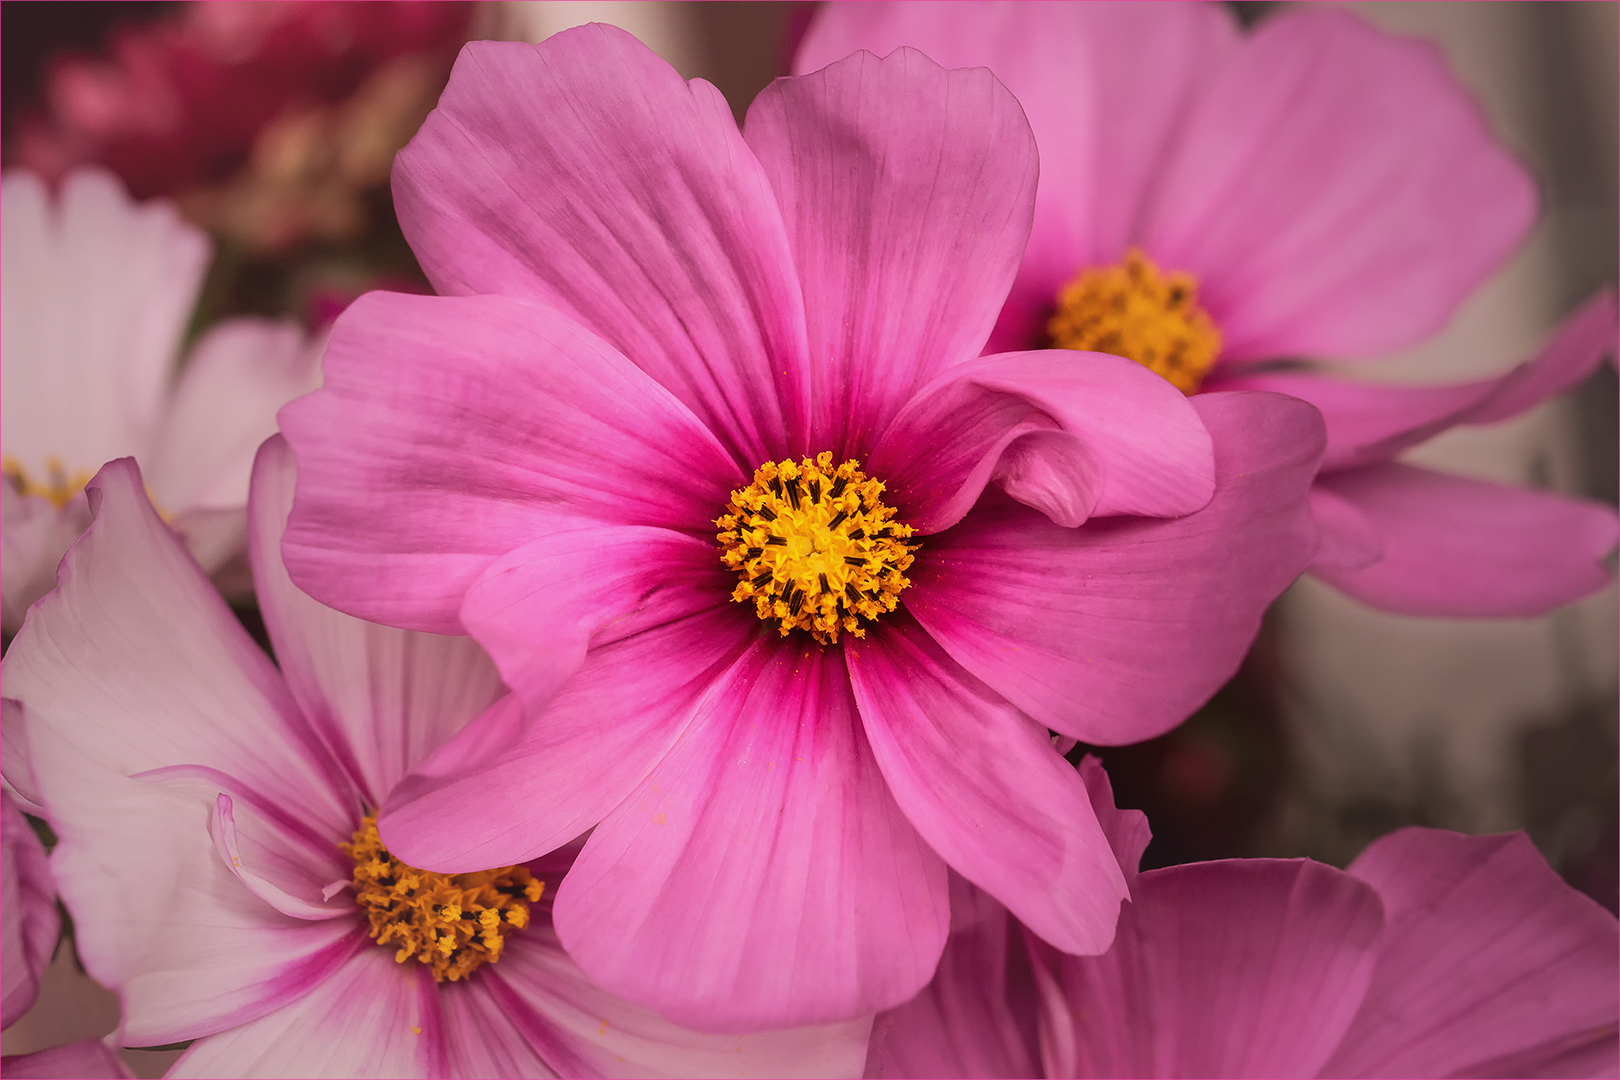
(1134, 310)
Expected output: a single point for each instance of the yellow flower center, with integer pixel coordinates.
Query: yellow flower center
(454, 923)
(815, 547)
(59, 485)
(1134, 310)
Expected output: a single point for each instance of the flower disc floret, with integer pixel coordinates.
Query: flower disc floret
(454, 923)
(1135, 310)
(815, 547)
(59, 485)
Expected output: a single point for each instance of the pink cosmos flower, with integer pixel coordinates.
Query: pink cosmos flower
(96, 293)
(1436, 954)
(214, 854)
(27, 912)
(1211, 200)
(676, 366)
(81, 1060)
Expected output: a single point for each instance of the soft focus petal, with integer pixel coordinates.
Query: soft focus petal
(1127, 830)
(18, 778)
(94, 301)
(977, 1017)
(907, 191)
(539, 608)
(1104, 87)
(450, 430)
(1336, 192)
(35, 535)
(586, 172)
(1246, 967)
(158, 915)
(85, 1058)
(1116, 631)
(1370, 422)
(1348, 541)
(506, 790)
(1491, 965)
(983, 785)
(1469, 548)
(137, 660)
(371, 1017)
(762, 876)
(225, 403)
(27, 911)
(382, 699)
(1138, 445)
(580, 1029)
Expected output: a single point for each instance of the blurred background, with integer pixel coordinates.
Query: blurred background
(273, 126)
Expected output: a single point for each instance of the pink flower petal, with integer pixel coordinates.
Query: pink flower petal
(137, 660)
(370, 1017)
(1336, 192)
(85, 1058)
(983, 785)
(627, 197)
(1127, 830)
(1116, 631)
(976, 1018)
(1137, 446)
(225, 402)
(762, 876)
(1371, 422)
(907, 191)
(506, 790)
(382, 699)
(27, 911)
(580, 1029)
(92, 311)
(540, 607)
(158, 915)
(1460, 547)
(35, 535)
(1104, 87)
(453, 429)
(1491, 965)
(1348, 540)
(1246, 967)
(17, 780)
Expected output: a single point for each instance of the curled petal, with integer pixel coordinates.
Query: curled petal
(27, 911)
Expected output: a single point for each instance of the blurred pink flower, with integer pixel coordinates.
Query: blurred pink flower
(27, 910)
(1315, 189)
(79, 1060)
(1435, 954)
(668, 308)
(96, 293)
(200, 797)
(180, 102)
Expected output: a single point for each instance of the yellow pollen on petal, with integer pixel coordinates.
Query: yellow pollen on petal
(814, 547)
(58, 486)
(453, 923)
(1136, 311)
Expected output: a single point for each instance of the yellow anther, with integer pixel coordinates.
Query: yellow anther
(1134, 310)
(814, 547)
(454, 923)
(59, 485)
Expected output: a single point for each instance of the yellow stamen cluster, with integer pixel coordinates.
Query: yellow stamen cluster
(59, 485)
(815, 547)
(454, 923)
(1134, 310)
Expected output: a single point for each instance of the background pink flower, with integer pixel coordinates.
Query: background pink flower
(27, 910)
(643, 305)
(1335, 194)
(199, 797)
(1435, 954)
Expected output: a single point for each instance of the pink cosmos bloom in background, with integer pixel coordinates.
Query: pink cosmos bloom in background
(1435, 954)
(95, 295)
(199, 797)
(27, 912)
(642, 307)
(78, 1060)
(1334, 193)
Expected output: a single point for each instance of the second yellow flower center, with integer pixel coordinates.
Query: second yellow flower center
(815, 547)
(454, 923)
(58, 486)
(1136, 311)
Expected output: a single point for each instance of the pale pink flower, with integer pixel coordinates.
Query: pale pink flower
(642, 307)
(27, 911)
(200, 796)
(77, 1060)
(96, 292)
(1335, 194)
(1435, 954)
